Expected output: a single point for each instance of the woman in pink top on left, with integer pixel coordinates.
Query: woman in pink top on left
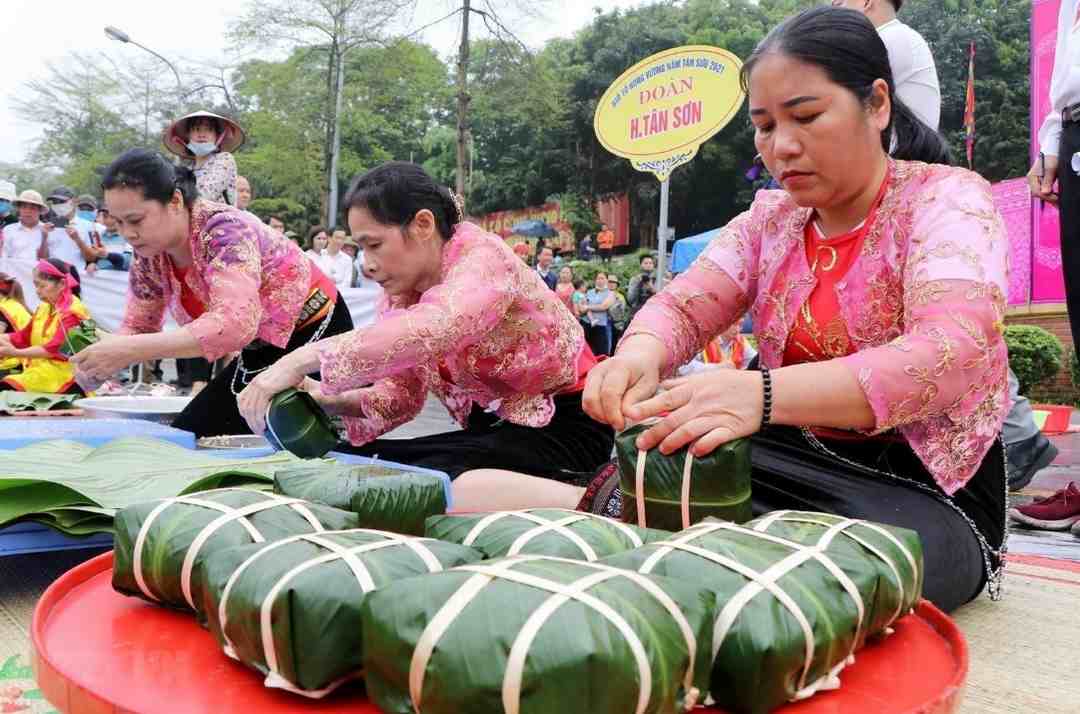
(466, 320)
(231, 283)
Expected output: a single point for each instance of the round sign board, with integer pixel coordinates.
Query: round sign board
(663, 108)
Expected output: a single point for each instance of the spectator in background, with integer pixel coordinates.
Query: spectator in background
(276, 224)
(578, 301)
(565, 288)
(585, 248)
(243, 193)
(619, 312)
(8, 213)
(642, 286)
(352, 249)
(521, 250)
(72, 237)
(316, 242)
(204, 142)
(27, 239)
(543, 267)
(605, 241)
(336, 263)
(117, 251)
(598, 302)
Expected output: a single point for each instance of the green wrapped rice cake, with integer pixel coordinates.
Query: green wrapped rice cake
(291, 608)
(799, 594)
(383, 498)
(159, 543)
(675, 491)
(537, 635)
(542, 531)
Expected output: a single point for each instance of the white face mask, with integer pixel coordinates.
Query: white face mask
(202, 148)
(63, 209)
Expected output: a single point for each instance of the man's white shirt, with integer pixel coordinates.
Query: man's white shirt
(1065, 81)
(20, 242)
(914, 72)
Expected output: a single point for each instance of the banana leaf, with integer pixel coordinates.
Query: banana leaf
(41, 481)
(79, 338)
(296, 423)
(308, 589)
(542, 531)
(385, 499)
(719, 483)
(159, 544)
(15, 402)
(791, 639)
(504, 635)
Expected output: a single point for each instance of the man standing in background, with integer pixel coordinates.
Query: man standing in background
(605, 241)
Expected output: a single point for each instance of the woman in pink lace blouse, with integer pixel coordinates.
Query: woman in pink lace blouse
(464, 319)
(877, 288)
(231, 283)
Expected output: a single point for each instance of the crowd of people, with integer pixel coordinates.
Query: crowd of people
(875, 277)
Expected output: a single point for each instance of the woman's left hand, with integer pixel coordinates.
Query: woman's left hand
(256, 397)
(710, 408)
(106, 357)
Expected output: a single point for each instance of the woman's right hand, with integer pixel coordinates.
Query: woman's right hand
(618, 383)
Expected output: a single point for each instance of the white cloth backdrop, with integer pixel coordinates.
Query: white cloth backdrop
(105, 292)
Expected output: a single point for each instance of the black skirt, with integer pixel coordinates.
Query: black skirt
(569, 448)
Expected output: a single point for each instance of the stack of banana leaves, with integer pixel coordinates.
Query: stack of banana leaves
(16, 402)
(77, 489)
(537, 634)
(160, 544)
(291, 608)
(384, 498)
(676, 490)
(542, 531)
(798, 594)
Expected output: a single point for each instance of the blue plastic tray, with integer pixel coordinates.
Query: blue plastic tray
(35, 538)
(16, 432)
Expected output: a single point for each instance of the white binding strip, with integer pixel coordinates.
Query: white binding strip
(639, 486)
(144, 532)
(241, 515)
(545, 525)
(688, 465)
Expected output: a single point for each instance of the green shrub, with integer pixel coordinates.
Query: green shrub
(1034, 354)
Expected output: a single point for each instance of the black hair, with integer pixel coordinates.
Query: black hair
(66, 268)
(849, 49)
(644, 256)
(314, 231)
(396, 191)
(153, 174)
(275, 217)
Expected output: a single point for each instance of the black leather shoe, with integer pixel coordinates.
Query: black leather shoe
(1026, 458)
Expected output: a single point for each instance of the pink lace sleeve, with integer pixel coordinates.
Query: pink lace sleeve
(383, 406)
(145, 309)
(233, 275)
(706, 299)
(943, 382)
(473, 297)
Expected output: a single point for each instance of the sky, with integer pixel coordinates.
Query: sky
(78, 25)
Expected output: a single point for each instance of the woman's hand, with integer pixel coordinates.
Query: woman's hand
(255, 398)
(616, 384)
(106, 357)
(709, 409)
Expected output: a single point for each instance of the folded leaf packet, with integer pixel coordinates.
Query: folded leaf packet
(159, 544)
(383, 499)
(291, 608)
(79, 338)
(799, 593)
(542, 531)
(537, 635)
(296, 423)
(675, 491)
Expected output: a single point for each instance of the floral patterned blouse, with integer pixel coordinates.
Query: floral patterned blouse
(490, 332)
(923, 302)
(252, 281)
(216, 178)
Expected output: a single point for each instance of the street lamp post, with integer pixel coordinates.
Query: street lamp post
(115, 33)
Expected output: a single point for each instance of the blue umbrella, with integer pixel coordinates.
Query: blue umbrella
(534, 229)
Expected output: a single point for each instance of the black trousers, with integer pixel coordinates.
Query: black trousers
(570, 448)
(1069, 187)
(213, 412)
(789, 472)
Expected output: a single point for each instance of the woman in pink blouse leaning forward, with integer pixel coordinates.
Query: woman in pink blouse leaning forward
(877, 291)
(465, 319)
(232, 284)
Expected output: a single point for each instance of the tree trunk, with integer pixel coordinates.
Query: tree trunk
(328, 151)
(463, 103)
(332, 207)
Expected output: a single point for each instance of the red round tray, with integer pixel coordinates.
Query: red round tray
(99, 652)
